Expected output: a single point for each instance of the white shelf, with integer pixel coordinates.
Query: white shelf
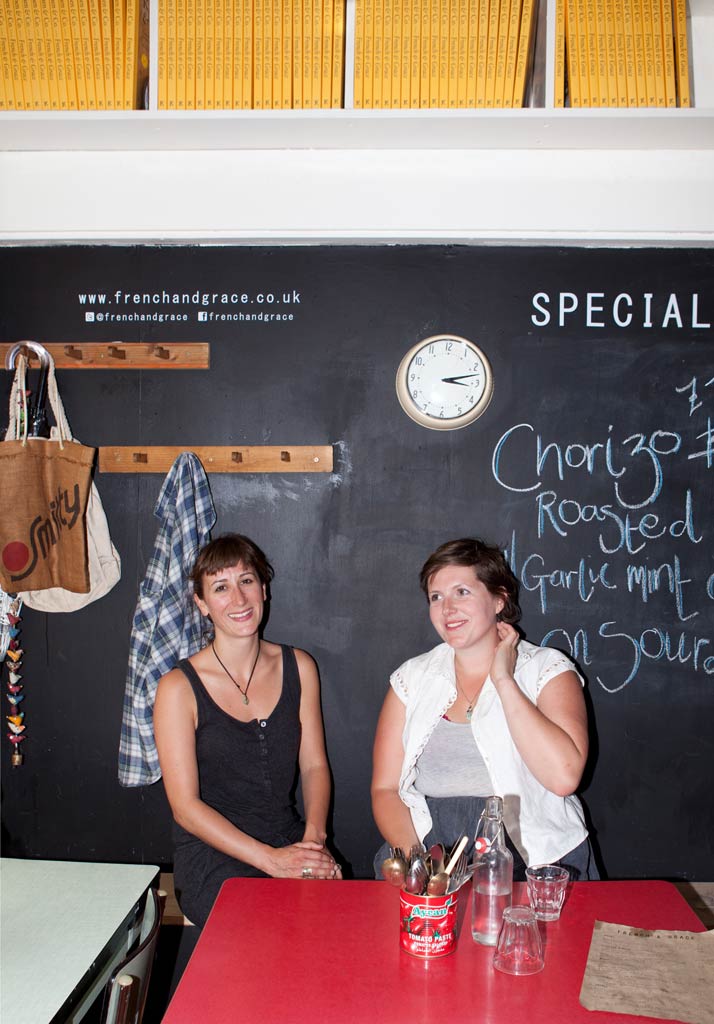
(360, 129)
(538, 127)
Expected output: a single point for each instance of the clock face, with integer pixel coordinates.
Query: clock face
(444, 382)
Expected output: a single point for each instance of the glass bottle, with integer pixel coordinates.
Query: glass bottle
(493, 874)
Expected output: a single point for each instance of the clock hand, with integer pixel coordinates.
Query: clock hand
(458, 380)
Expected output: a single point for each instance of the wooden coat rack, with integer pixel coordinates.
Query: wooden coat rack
(118, 355)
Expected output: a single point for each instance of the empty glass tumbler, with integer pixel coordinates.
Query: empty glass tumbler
(519, 949)
(546, 890)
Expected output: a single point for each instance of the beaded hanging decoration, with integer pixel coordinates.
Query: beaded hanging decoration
(11, 652)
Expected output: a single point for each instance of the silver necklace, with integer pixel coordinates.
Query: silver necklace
(236, 684)
(471, 702)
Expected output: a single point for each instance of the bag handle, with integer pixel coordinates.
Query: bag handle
(18, 400)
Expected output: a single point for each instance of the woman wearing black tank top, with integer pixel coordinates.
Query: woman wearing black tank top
(234, 724)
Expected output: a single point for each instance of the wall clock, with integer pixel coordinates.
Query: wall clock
(444, 382)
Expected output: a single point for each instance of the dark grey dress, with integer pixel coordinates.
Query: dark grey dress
(247, 772)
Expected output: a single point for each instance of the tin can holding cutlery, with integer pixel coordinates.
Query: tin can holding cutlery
(427, 924)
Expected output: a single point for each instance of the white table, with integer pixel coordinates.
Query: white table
(63, 927)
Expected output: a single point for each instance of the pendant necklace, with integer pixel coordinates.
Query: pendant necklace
(471, 702)
(237, 685)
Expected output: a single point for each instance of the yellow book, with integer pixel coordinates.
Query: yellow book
(338, 54)
(218, 54)
(525, 49)
(593, 93)
(171, 54)
(368, 56)
(190, 59)
(80, 80)
(397, 54)
(628, 32)
(386, 90)
(378, 53)
(307, 24)
(287, 56)
(228, 52)
(605, 90)
(670, 79)
(414, 53)
(45, 57)
(55, 88)
(258, 57)
(503, 23)
(484, 20)
(200, 65)
(514, 31)
(181, 77)
(95, 30)
(452, 60)
(326, 56)
(162, 56)
(614, 8)
(681, 53)
(105, 21)
(55, 32)
(297, 60)
(87, 54)
(209, 54)
(571, 54)
(444, 13)
(358, 56)
(583, 66)
(268, 52)
(18, 56)
(471, 53)
(276, 60)
(316, 51)
(33, 70)
(648, 43)
(425, 53)
(463, 53)
(492, 51)
(559, 61)
(248, 44)
(8, 98)
(660, 85)
(405, 81)
(234, 69)
(118, 29)
(639, 40)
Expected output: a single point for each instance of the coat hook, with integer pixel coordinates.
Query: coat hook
(160, 352)
(39, 350)
(139, 457)
(236, 456)
(285, 456)
(117, 353)
(72, 352)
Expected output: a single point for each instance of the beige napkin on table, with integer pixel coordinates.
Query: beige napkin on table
(665, 974)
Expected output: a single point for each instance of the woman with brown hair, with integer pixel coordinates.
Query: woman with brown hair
(234, 725)
(483, 713)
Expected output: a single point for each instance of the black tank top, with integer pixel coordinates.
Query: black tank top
(248, 770)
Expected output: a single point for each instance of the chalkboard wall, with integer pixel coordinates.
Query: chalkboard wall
(592, 467)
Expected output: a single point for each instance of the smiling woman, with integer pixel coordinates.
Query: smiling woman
(484, 713)
(234, 724)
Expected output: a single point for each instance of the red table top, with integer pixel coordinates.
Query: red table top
(300, 952)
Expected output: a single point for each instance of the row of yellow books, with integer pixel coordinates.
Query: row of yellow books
(443, 53)
(250, 54)
(621, 53)
(72, 54)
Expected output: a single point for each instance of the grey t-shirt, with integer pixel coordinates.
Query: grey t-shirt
(451, 764)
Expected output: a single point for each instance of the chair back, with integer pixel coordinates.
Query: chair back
(126, 991)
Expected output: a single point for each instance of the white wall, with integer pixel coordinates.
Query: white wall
(618, 196)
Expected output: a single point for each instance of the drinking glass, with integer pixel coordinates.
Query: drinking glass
(546, 890)
(519, 949)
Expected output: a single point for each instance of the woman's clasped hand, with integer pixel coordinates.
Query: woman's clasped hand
(303, 860)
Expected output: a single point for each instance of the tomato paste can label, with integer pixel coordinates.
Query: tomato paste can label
(427, 924)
